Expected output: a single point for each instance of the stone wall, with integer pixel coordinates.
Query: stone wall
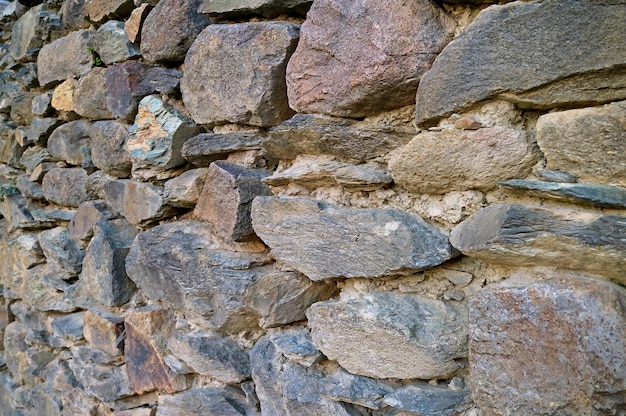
(240, 207)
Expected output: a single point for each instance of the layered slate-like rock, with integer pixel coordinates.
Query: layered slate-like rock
(236, 73)
(549, 347)
(522, 235)
(108, 153)
(361, 58)
(604, 196)
(213, 401)
(575, 56)
(426, 399)
(86, 217)
(62, 252)
(170, 29)
(156, 139)
(65, 58)
(30, 31)
(357, 242)
(456, 160)
(588, 143)
(391, 335)
(184, 266)
(206, 148)
(268, 8)
(112, 43)
(226, 199)
(347, 140)
(139, 202)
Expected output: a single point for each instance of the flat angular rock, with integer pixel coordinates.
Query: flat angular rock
(156, 139)
(212, 401)
(61, 251)
(31, 31)
(548, 347)
(363, 58)
(112, 43)
(89, 98)
(456, 160)
(103, 330)
(283, 297)
(140, 203)
(255, 94)
(63, 99)
(357, 242)
(587, 143)
(39, 131)
(104, 269)
(64, 58)
(391, 335)
(347, 140)
(101, 10)
(206, 148)
(267, 8)
(42, 104)
(71, 143)
(565, 62)
(184, 190)
(182, 265)
(128, 82)
(605, 196)
(21, 109)
(426, 399)
(73, 14)
(67, 329)
(108, 152)
(523, 235)
(134, 23)
(170, 29)
(88, 214)
(147, 331)
(212, 355)
(296, 344)
(226, 199)
(66, 187)
(33, 156)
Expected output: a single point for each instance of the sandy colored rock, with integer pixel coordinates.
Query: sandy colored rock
(103, 330)
(63, 96)
(134, 23)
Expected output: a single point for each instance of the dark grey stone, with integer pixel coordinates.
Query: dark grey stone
(215, 401)
(556, 176)
(33, 156)
(112, 44)
(31, 31)
(89, 99)
(604, 196)
(42, 104)
(426, 399)
(108, 138)
(357, 242)
(61, 251)
(296, 345)
(536, 54)
(206, 148)
(70, 142)
(28, 188)
(38, 132)
(67, 329)
(86, 217)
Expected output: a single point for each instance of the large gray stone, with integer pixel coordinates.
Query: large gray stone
(587, 143)
(356, 243)
(457, 160)
(549, 347)
(74, 15)
(89, 99)
(235, 73)
(283, 297)
(88, 214)
(347, 140)
(523, 235)
(38, 132)
(267, 8)
(537, 54)
(392, 335)
(139, 202)
(361, 58)
(212, 355)
(170, 29)
(212, 401)
(206, 148)
(64, 58)
(182, 265)
(605, 196)
(70, 142)
(66, 187)
(426, 399)
(112, 44)
(62, 252)
(226, 199)
(108, 153)
(31, 31)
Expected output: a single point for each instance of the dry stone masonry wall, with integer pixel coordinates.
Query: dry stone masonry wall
(312, 208)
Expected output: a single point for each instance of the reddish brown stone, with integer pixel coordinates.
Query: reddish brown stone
(104, 330)
(147, 332)
(468, 123)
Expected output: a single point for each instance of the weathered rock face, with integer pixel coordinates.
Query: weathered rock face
(61, 251)
(226, 199)
(103, 330)
(361, 58)
(108, 153)
(455, 160)
(112, 43)
(102, 10)
(31, 31)
(268, 8)
(206, 148)
(66, 187)
(252, 91)
(182, 265)
(64, 58)
(140, 203)
(422, 340)
(541, 347)
(205, 401)
(347, 140)
(184, 190)
(567, 50)
(357, 243)
(170, 29)
(70, 143)
(134, 23)
(532, 236)
(86, 217)
(570, 139)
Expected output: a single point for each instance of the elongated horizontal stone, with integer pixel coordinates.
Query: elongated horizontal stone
(269, 8)
(205, 148)
(391, 335)
(356, 243)
(523, 235)
(605, 196)
(426, 399)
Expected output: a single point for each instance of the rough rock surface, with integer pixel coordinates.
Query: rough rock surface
(108, 153)
(236, 73)
(182, 265)
(66, 187)
(184, 190)
(134, 23)
(31, 31)
(89, 99)
(206, 148)
(574, 56)
(587, 143)
(62, 252)
(86, 217)
(139, 202)
(112, 43)
(226, 199)
(456, 160)
(101, 10)
(523, 235)
(103, 330)
(347, 140)
(361, 58)
(70, 143)
(170, 29)
(65, 58)
(391, 335)
(357, 242)
(569, 329)
(267, 8)
(213, 401)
